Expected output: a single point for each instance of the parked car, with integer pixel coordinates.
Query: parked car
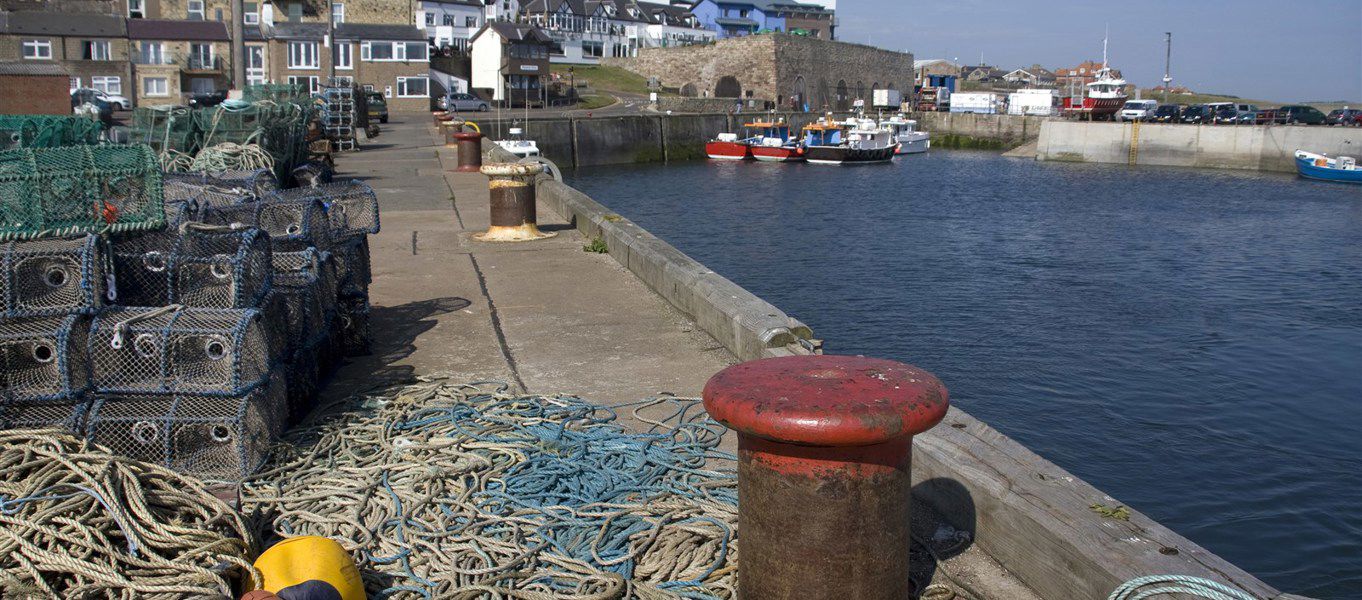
(456, 102)
(119, 102)
(87, 96)
(1196, 113)
(207, 99)
(1168, 113)
(378, 107)
(1224, 115)
(1343, 116)
(1300, 113)
(1139, 110)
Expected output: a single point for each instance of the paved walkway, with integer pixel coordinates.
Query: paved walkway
(545, 316)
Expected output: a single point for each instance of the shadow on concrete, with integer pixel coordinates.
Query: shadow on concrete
(939, 535)
(395, 329)
(556, 227)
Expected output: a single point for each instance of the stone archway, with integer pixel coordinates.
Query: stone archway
(860, 91)
(799, 94)
(728, 87)
(689, 90)
(824, 100)
(842, 101)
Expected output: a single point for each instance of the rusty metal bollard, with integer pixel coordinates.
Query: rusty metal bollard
(511, 186)
(470, 151)
(824, 482)
(451, 127)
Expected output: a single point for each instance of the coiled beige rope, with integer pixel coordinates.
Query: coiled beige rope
(78, 522)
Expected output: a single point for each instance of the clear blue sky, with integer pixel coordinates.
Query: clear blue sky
(1282, 50)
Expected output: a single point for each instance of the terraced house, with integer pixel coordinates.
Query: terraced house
(91, 48)
(372, 43)
(585, 31)
(734, 18)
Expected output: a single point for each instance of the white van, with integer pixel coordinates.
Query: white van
(1139, 110)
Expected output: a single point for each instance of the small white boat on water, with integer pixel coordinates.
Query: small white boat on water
(518, 145)
(904, 131)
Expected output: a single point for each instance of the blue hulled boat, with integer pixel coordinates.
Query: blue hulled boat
(1318, 166)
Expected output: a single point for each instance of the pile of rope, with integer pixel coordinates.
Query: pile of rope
(442, 490)
(78, 522)
(227, 156)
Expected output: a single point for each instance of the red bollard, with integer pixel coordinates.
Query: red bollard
(824, 483)
(470, 151)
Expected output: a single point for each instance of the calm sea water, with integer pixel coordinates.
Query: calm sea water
(1187, 341)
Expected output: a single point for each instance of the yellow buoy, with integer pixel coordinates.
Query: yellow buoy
(316, 568)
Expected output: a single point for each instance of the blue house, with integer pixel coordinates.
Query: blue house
(734, 18)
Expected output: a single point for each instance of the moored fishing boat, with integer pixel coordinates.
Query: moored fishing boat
(775, 143)
(857, 141)
(727, 146)
(904, 131)
(1326, 168)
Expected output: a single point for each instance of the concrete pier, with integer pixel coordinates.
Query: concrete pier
(990, 518)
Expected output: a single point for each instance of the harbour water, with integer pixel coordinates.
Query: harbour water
(1187, 341)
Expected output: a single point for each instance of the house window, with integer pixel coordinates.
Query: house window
(448, 21)
(195, 10)
(153, 87)
(108, 85)
(337, 12)
(523, 82)
(200, 56)
(368, 87)
(430, 19)
(153, 53)
(393, 51)
(594, 49)
(413, 87)
(38, 49)
(250, 13)
(255, 65)
(295, 12)
(137, 9)
(75, 83)
(303, 55)
(558, 50)
(96, 50)
(470, 21)
(343, 81)
(308, 80)
(345, 55)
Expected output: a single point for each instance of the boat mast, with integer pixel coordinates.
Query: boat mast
(1167, 65)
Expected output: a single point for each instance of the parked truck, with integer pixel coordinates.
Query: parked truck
(1041, 103)
(983, 103)
(886, 99)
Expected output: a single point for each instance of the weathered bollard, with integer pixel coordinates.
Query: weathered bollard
(511, 187)
(470, 151)
(451, 127)
(824, 454)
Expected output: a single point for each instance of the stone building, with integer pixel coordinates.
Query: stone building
(1083, 74)
(92, 49)
(175, 59)
(376, 45)
(794, 72)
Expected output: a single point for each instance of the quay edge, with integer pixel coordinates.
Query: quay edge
(1028, 514)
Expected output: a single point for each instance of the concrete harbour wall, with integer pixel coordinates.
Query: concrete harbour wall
(1000, 131)
(1027, 513)
(1261, 147)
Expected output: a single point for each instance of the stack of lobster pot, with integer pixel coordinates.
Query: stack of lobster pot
(55, 273)
(352, 214)
(49, 290)
(186, 369)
